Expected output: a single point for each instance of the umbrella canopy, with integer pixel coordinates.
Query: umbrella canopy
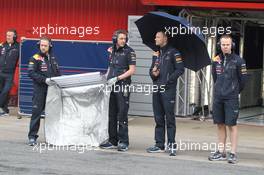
(181, 36)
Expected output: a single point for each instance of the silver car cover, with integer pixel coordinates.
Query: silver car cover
(77, 110)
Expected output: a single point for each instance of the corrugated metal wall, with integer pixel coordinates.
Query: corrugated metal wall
(27, 15)
(140, 101)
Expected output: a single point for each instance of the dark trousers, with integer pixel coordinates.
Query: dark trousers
(6, 82)
(38, 106)
(118, 117)
(163, 107)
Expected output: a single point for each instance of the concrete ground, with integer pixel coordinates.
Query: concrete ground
(18, 158)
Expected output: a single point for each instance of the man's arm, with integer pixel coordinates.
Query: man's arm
(154, 70)
(33, 73)
(13, 56)
(110, 51)
(178, 67)
(132, 66)
(214, 72)
(128, 73)
(17, 53)
(242, 74)
(58, 72)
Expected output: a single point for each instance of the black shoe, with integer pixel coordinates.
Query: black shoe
(232, 158)
(32, 142)
(108, 145)
(122, 147)
(4, 114)
(217, 156)
(6, 110)
(154, 149)
(172, 152)
(171, 149)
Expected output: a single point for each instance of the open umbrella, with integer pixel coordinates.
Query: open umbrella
(191, 44)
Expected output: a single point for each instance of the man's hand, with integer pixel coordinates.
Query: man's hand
(156, 53)
(112, 81)
(22, 38)
(110, 49)
(155, 69)
(155, 72)
(50, 82)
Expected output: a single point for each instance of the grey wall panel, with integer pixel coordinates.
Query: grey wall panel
(144, 63)
(144, 79)
(141, 98)
(141, 70)
(140, 104)
(141, 109)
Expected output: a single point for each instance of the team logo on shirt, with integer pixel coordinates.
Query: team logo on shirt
(3, 51)
(219, 69)
(243, 69)
(178, 58)
(44, 67)
(133, 56)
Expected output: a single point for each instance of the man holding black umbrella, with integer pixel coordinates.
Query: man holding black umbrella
(167, 66)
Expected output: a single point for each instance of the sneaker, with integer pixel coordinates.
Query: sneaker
(32, 142)
(1, 110)
(171, 149)
(6, 110)
(108, 145)
(4, 114)
(232, 158)
(172, 152)
(122, 147)
(154, 149)
(217, 156)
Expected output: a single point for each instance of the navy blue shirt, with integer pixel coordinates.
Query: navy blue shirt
(119, 62)
(170, 64)
(41, 67)
(9, 55)
(229, 74)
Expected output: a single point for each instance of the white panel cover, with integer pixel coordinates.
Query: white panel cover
(77, 110)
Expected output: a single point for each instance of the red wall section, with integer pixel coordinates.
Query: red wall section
(210, 4)
(108, 15)
(26, 15)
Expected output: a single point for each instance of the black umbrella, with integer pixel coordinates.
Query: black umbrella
(190, 43)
